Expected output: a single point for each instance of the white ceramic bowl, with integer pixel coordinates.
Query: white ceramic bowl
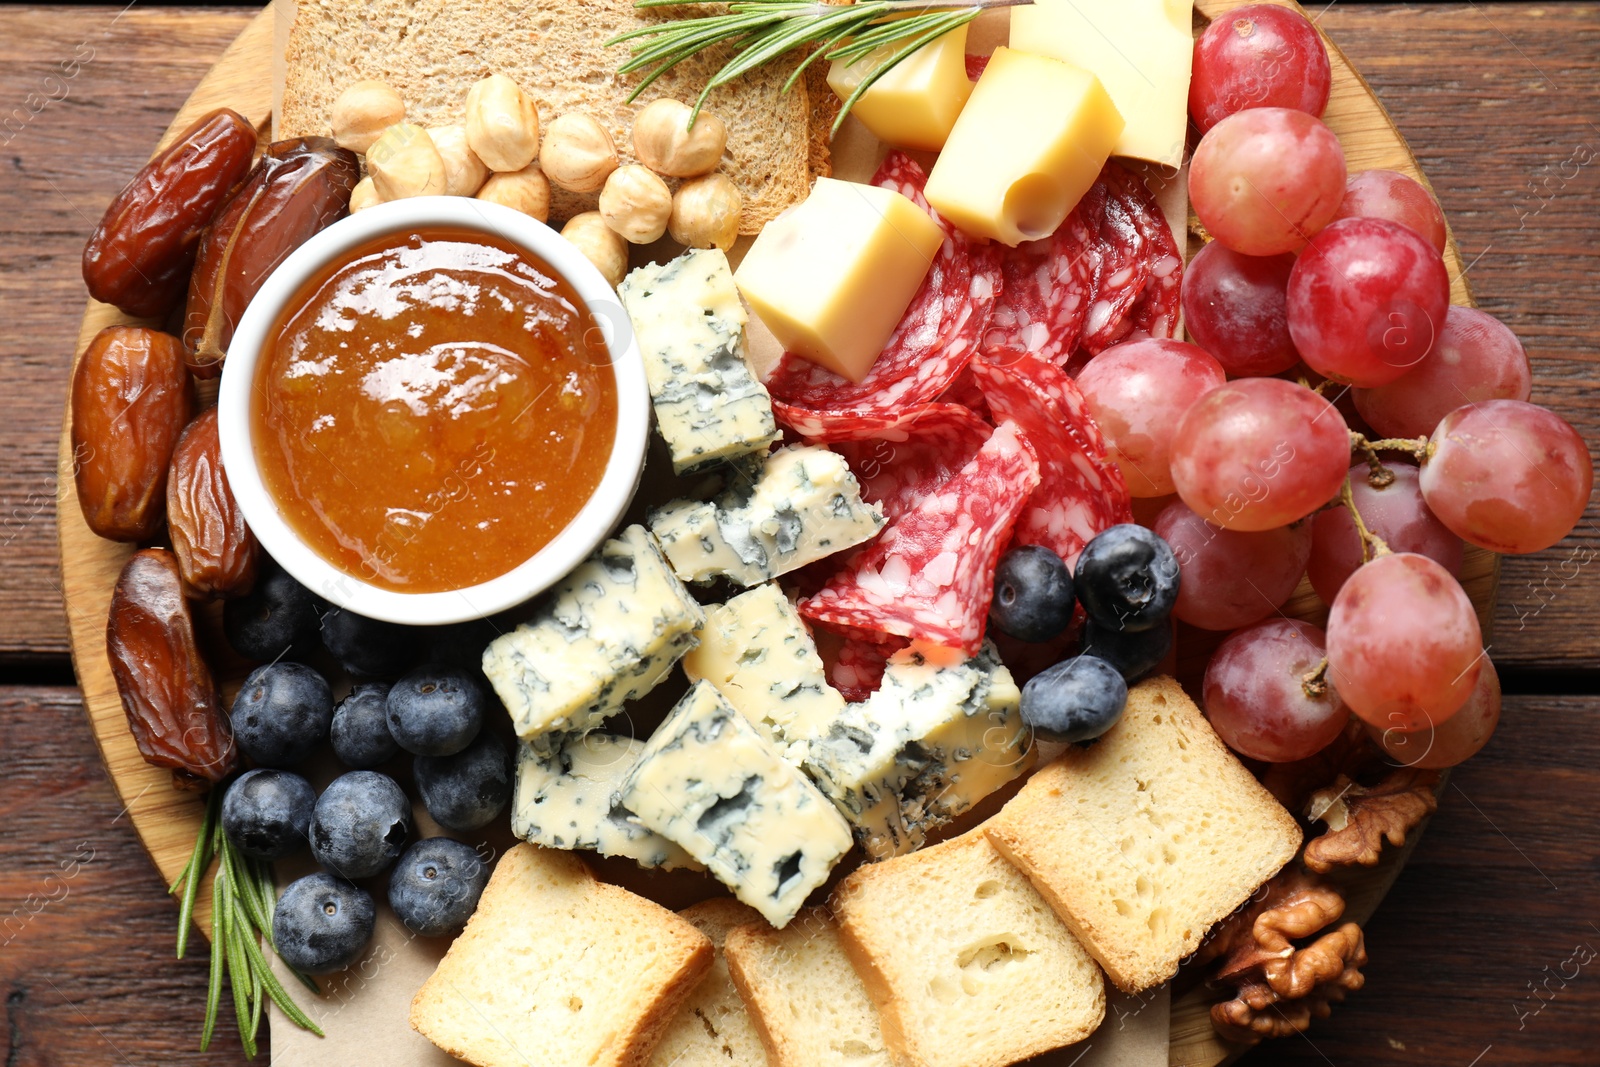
(580, 537)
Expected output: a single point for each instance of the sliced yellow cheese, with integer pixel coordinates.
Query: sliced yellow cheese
(915, 103)
(832, 276)
(1027, 146)
(1140, 50)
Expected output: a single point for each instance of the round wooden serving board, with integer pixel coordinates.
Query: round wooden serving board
(167, 820)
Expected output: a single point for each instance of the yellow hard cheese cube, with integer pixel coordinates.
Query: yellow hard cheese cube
(832, 276)
(915, 103)
(1139, 49)
(1026, 148)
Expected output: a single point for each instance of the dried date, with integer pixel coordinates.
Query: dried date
(298, 188)
(217, 553)
(131, 398)
(140, 255)
(173, 705)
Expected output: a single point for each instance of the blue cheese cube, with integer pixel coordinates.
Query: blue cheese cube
(608, 633)
(568, 799)
(689, 322)
(928, 745)
(805, 505)
(709, 781)
(758, 653)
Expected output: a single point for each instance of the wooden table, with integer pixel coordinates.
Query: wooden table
(1486, 952)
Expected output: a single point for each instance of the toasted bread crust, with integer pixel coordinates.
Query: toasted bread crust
(431, 52)
(1044, 831)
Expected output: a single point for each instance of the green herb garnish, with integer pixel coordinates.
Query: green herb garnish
(761, 31)
(242, 897)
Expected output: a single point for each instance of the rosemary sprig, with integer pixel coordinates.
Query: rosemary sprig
(242, 896)
(760, 31)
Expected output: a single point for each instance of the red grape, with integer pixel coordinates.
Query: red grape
(1366, 301)
(1507, 475)
(1228, 579)
(1453, 741)
(1388, 194)
(1259, 55)
(1255, 693)
(1476, 357)
(1236, 308)
(1137, 392)
(1259, 453)
(1404, 647)
(1395, 513)
(1264, 181)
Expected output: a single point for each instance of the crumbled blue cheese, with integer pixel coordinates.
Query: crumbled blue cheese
(805, 505)
(568, 799)
(928, 745)
(609, 632)
(689, 322)
(758, 653)
(709, 781)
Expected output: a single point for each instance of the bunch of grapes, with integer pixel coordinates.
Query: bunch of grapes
(1314, 275)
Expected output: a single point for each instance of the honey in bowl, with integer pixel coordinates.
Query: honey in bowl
(433, 409)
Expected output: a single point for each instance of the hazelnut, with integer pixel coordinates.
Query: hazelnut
(705, 213)
(364, 195)
(363, 111)
(578, 154)
(464, 172)
(636, 204)
(404, 162)
(526, 190)
(502, 124)
(600, 245)
(666, 143)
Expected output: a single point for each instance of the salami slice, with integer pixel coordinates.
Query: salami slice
(1047, 287)
(896, 472)
(1081, 492)
(930, 575)
(938, 335)
(1157, 310)
(976, 65)
(856, 669)
(964, 391)
(1122, 273)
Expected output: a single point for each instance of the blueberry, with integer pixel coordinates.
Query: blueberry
(360, 729)
(466, 790)
(322, 924)
(265, 813)
(1127, 578)
(367, 647)
(360, 824)
(436, 710)
(278, 619)
(1076, 700)
(1135, 655)
(436, 885)
(282, 713)
(1032, 594)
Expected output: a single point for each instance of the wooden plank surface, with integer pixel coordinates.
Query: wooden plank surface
(1504, 133)
(1498, 895)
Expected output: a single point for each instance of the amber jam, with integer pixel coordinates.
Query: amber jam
(433, 409)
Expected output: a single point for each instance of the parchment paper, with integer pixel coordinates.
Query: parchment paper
(364, 1011)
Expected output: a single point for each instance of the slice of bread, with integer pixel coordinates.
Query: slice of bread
(432, 51)
(968, 965)
(713, 1029)
(806, 1000)
(557, 967)
(1146, 838)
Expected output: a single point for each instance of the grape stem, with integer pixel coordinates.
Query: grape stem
(1419, 447)
(1372, 546)
(1315, 681)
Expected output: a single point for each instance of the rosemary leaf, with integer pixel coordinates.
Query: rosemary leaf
(275, 990)
(194, 874)
(219, 953)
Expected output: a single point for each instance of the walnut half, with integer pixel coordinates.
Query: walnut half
(1361, 818)
(1281, 987)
